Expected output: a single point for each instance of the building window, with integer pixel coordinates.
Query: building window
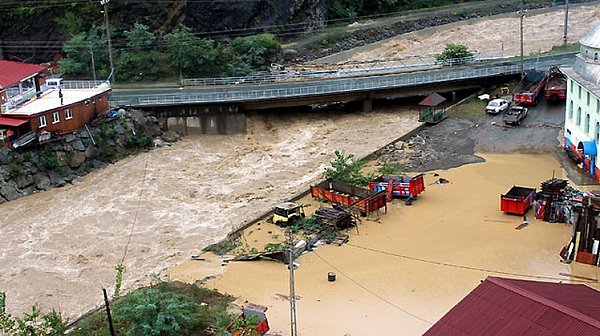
(597, 136)
(87, 101)
(596, 57)
(55, 117)
(587, 123)
(100, 98)
(597, 106)
(68, 114)
(579, 116)
(42, 120)
(571, 85)
(571, 109)
(588, 98)
(579, 88)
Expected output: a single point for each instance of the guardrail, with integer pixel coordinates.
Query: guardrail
(81, 84)
(286, 90)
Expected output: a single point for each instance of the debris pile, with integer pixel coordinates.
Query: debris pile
(552, 200)
(585, 241)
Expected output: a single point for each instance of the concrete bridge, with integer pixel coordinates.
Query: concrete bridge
(220, 108)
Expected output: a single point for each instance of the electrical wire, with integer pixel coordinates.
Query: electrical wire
(372, 292)
(472, 268)
(137, 210)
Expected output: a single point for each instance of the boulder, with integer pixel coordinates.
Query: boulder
(90, 151)
(9, 191)
(42, 181)
(70, 137)
(170, 136)
(78, 145)
(77, 158)
(5, 157)
(62, 158)
(24, 180)
(56, 179)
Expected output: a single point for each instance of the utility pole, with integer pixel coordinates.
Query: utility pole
(110, 55)
(294, 329)
(107, 305)
(566, 22)
(522, 15)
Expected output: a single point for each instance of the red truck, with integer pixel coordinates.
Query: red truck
(517, 200)
(349, 195)
(556, 85)
(529, 89)
(402, 186)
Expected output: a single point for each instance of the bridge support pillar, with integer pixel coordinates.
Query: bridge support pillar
(164, 123)
(367, 105)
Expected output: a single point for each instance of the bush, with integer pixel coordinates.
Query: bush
(346, 168)
(454, 54)
(162, 309)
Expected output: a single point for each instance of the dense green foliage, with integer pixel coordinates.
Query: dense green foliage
(454, 54)
(163, 309)
(346, 168)
(179, 53)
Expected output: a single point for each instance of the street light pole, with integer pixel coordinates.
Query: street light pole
(110, 56)
(522, 14)
(294, 330)
(566, 22)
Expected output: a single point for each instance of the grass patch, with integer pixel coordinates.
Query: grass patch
(472, 107)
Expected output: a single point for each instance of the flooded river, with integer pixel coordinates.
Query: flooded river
(402, 272)
(152, 211)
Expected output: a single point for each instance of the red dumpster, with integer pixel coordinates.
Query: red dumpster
(517, 200)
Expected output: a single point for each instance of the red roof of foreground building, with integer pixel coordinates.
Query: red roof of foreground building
(13, 72)
(507, 307)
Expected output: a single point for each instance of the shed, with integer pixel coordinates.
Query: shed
(500, 307)
(433, 112)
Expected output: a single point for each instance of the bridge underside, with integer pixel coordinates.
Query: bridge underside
(229, 118)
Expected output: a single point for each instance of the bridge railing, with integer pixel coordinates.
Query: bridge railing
(81, 84)
(287, 90)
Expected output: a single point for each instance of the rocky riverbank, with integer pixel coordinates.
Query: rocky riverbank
(66, 159)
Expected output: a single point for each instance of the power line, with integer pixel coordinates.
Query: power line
(442, 263)
(372, 292)
(137, 210)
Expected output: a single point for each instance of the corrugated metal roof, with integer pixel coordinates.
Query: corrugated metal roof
(14, 72)
(506, 307)
(4, 121)
(592, 39)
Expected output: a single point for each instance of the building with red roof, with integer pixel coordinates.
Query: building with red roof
(34, 107)
(507, 307)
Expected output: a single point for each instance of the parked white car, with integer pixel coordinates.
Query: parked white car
(496, 106)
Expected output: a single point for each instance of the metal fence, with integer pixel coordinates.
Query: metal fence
(82, 85)
(285, 90)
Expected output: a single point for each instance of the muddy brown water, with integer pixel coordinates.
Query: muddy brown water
(404, 270)
(59, 248)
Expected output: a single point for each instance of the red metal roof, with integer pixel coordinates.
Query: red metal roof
(14, 72)
(4, 121)
(433, 99)
(506, 307)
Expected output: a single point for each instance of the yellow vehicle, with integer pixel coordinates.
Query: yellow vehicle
(286, 213)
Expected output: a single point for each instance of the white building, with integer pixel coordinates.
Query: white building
(582, 112)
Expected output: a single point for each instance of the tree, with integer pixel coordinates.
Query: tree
(346, 168)
(454, 54)
(190, 54)
(257, 52)
(79, 49)
(139, 37)
(35, 324)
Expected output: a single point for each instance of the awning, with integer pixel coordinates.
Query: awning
(4, 121)
(588, 147)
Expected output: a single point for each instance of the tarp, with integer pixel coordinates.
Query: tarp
(4, 121)
(589, 148)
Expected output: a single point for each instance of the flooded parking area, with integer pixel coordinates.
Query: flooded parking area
(402, 272)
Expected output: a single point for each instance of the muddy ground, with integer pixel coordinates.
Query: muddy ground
(455, 141)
